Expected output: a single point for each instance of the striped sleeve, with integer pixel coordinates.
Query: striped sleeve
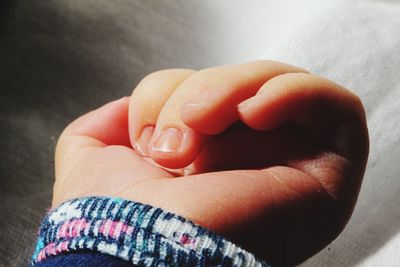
(135, 232)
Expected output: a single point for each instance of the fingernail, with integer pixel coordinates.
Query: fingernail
(169, 140)
(246, 104)
(143, 142)
(242, 106)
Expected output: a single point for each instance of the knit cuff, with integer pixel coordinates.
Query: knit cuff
(135, 232)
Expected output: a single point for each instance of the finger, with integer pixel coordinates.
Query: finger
(210, 103)
(147, 100)
(303, 98)
(107, 125)
(311, 101)
(206, 103)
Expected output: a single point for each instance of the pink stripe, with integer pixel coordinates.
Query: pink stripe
(101, 229)
(129, 231)
(41, 255)
(112, 228)
(58, 248)
(51, 249)
(78, 226)
(106, 229)
(72, 228)
(61, 231)
(118, 229)
(187, 240)
(68, 229)
(125, 229)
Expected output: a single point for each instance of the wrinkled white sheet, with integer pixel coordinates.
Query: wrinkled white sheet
(357, 44)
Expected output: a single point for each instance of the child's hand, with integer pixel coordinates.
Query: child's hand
(295, 169)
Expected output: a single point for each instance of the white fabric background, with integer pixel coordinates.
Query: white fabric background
(356, 44)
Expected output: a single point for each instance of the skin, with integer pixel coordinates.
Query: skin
(272, 157)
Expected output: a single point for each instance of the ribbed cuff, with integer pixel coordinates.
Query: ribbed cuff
(135, 232)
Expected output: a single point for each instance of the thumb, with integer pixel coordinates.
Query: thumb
(107, 125)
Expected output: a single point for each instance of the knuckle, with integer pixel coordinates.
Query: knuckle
(158, 80)
(217, 79)
(161, 75)
(152, 78)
